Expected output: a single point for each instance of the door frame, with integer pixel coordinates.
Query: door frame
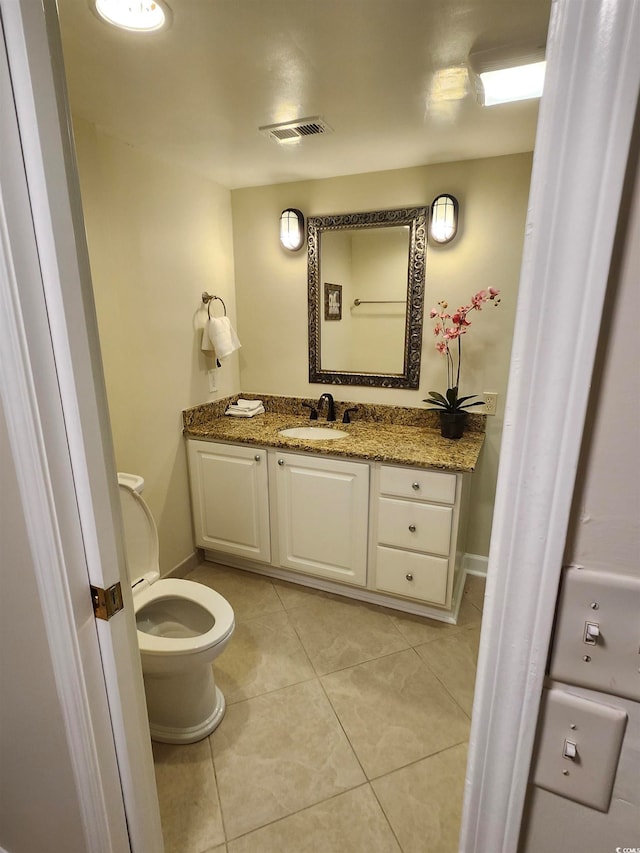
(53, 390)
(585, 124)
(582, 146)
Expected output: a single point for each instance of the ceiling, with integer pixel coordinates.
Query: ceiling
(388, 76)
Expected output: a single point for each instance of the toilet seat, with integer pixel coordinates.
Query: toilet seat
(197, 594)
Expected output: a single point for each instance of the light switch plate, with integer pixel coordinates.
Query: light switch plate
(596, 730)
(611, 602)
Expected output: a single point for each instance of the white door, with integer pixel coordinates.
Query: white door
(323, 510)
(58, 439)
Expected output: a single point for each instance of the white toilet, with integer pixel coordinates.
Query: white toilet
(182, 627)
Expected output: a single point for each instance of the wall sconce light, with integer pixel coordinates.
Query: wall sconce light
(291, 229)
(506, 74)
(142, 16)
(444, 219)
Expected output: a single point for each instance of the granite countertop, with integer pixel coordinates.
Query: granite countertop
(392, 434)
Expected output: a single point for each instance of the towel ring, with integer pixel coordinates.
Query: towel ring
(208, 299)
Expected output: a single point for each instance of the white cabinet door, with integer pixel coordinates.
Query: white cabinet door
(323, 508)
(230, 494)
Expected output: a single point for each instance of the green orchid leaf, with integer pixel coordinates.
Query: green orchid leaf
(469, 397)
(452, 397)
(435, 396)
(468, 405)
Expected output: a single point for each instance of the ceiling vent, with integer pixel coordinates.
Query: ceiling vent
(292, 131)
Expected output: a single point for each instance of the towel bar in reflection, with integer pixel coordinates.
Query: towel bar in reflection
(379, 301)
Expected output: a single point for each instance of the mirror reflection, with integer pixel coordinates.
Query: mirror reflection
(366, 296)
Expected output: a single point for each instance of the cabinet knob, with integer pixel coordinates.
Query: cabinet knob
(415, 486)
(409, 576)
(412, 528)
(280, 461)
(257, 457)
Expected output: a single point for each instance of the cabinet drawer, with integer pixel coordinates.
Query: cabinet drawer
(408, 524)
(413, 575)
(418, 485)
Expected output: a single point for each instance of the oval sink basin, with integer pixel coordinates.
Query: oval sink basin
(313, 433)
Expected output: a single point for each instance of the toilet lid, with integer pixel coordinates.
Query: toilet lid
(140, 534)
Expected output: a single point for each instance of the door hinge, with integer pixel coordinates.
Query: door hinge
(106, 602)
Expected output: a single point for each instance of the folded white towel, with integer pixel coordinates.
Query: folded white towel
(235, 412)
(222, 335)
(247, 404)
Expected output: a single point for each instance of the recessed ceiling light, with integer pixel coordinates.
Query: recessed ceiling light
(506, 75)
(135, 15)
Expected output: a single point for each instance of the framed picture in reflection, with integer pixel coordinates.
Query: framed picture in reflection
(332, 301)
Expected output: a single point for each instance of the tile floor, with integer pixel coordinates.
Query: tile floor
(345, 732)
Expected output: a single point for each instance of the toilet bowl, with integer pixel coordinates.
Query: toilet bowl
(182, 626)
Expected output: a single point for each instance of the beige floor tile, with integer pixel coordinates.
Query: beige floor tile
(264, 654)
(423, 802)
(469, 614)
(394, 711)
(250, 595)
(295, 595)
(222, 848)
(189, 806)
(454, 661)
(279, 753)
(338, 634)
(349, 823)
(474, 587)
(418, 629)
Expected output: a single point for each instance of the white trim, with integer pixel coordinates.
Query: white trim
(586, 118)
(474, 564)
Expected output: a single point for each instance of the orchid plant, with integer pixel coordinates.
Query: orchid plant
(448, 329)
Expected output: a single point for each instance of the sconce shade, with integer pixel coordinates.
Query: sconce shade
(291, 229)
(444, 219)
(140, 16)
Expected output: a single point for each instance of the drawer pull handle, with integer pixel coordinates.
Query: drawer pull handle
(280, 461)
(415, 486)
(257, 457)
(409, 576)
(412, 528)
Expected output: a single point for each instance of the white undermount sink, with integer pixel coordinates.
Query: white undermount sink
(313, 433)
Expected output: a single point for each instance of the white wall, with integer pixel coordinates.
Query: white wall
(605, 534)
(271, 286)
(158, 236)
(39, 808)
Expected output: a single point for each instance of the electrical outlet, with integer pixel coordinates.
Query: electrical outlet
(490, 402)
(212, 380)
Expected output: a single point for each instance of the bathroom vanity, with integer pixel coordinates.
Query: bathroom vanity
(350, 516)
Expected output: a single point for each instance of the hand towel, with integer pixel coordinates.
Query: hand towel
(241, 403)
(222, 335)
(207, 346)
(235, 412)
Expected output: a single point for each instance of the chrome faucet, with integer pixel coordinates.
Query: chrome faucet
(331, 409)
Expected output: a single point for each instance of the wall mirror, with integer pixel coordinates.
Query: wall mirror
(366, 274)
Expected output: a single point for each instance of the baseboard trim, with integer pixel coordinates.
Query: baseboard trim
(474, 564)
(187, 565)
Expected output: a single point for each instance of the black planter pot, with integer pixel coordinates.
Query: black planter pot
(452, 424)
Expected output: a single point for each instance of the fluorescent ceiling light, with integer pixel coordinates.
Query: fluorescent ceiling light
(135, 15)
(513, 84)
(506, 75)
